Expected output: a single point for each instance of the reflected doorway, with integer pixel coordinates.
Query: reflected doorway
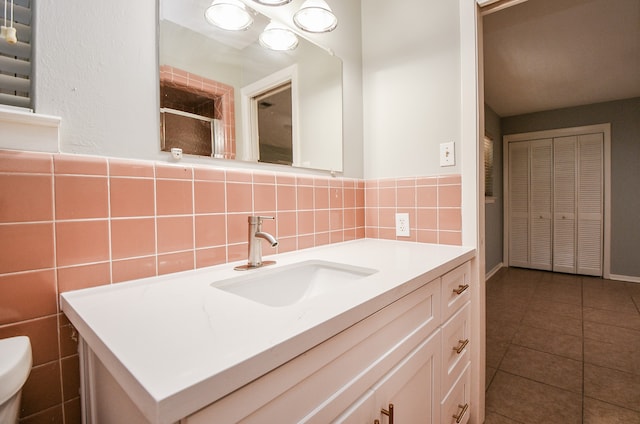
(275, 129)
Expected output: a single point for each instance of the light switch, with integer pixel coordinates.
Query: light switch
(447, 154)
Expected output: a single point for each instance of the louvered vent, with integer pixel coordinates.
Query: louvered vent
(15, 59)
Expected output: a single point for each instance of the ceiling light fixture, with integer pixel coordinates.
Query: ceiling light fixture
(278, 37)
(273, 2)
(231, 15)
(315, 16)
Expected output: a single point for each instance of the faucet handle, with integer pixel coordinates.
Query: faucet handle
(256, 219)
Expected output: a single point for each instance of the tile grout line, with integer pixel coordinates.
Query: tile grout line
(538, 382)
(57, 284)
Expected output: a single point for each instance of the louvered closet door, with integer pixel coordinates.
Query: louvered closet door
(541, 189)
(519, 204)
(564, 204)
(590, 201)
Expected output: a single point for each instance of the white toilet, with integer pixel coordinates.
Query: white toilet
(15, 365)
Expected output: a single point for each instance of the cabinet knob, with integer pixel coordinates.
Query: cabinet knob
(461, 288)
(461, 414)
(461, 346)
(388, 413)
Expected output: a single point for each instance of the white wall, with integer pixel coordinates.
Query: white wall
(411, 61)
(96, 67)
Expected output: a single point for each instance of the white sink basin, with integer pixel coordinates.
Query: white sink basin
(294, 283)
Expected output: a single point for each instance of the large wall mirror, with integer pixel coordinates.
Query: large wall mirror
(224, 95)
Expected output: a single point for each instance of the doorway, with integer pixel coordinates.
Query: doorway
(550, 71)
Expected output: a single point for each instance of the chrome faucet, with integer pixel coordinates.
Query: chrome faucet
(255, 246)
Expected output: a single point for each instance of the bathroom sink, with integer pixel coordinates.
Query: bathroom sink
(294, 283)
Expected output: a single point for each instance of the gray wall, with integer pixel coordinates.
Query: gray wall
(624, 116)
(494, 211)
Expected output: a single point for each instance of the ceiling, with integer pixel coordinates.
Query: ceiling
(550, 54)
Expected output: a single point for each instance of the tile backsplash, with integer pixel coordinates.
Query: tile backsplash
(434, 205)
(69, 222)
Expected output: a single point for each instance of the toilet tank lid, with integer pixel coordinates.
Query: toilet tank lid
(15, 365)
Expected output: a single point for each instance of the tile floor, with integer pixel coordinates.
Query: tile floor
(562, 349)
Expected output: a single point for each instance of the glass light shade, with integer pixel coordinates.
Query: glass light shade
(229, 14)
(315, 16)
(273, 2)
(278, 37)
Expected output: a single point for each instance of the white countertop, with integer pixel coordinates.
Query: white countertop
(176, 344)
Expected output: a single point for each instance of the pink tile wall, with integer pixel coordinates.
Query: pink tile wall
(434, 206)
(69, 222)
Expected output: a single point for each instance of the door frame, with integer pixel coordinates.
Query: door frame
(563, 132)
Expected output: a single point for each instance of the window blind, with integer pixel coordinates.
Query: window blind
(488, 166)
(15, 59)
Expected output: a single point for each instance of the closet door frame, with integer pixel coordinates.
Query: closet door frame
(563, 132)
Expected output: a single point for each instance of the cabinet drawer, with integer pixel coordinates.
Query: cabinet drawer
(456, 288)
(455, 407)
(321, 383)
(455, 347)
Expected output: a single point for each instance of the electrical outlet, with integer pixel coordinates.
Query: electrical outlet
(402, 225)
(447, 154)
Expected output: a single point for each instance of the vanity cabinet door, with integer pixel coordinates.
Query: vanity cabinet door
(363, 411)
(412, 386)
(455, 406)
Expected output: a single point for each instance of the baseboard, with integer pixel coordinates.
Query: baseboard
(493, 271)
(624, 278)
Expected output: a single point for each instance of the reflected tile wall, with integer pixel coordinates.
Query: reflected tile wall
(69, 222)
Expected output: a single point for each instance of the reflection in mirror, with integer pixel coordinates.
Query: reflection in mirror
(187, 121)
(196, 114)
(275, 138)
(202, 60)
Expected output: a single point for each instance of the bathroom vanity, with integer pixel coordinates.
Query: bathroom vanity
(382, 328)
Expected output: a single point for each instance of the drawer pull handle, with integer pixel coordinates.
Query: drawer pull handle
(460, 289)
(388, 413)
(461, 346)
(461, 414)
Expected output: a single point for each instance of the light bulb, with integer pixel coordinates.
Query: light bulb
(315, 16)
(231, 15)
(273, 2)
(278, 37)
